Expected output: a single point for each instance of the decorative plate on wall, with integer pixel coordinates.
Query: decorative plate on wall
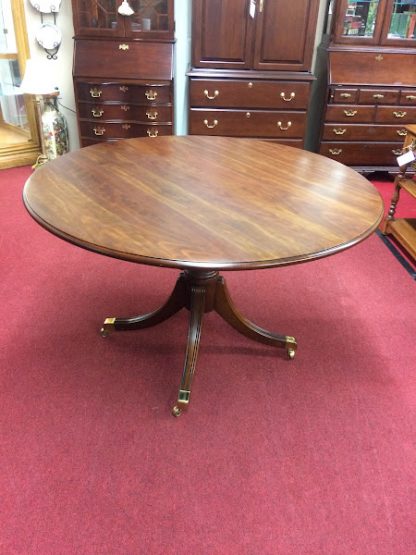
(46, 6)
(49, 36)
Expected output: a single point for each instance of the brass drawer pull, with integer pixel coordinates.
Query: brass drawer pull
(150, 94)
(152, 114)
(212, 125)
(123, 88)
(153, 132)
(335, 151)
(96, 93)
(401, 132)
(399, 114)
(124, 107)
(345, 95)
(99, 131)
(97, 113)
(216, 93)
(248, 115)
(350, 113)
(282, 128)
(126, 126)
(410, 97)
(378, 96)
(378, 58)
(291, 97)
(397, 151)
(123, 47)
(339, 130)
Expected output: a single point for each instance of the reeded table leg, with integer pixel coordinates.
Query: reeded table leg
(197, 309)
(175, 302)
(199, 291)
(225, 307)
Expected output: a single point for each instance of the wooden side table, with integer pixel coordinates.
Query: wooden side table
(403, 229)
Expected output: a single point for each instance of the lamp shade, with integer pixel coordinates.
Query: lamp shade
(38, 79)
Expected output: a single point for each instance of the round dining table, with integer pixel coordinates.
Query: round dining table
(203, 205)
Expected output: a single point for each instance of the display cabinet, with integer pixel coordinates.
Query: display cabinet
(251, 68)
(123, 68)
(371, 92)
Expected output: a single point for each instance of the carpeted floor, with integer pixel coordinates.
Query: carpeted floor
(311, 456)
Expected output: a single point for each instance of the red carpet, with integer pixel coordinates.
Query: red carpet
(311, 456)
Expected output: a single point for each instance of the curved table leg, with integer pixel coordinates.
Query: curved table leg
(225, 307)
(175, 302)
(197, 309)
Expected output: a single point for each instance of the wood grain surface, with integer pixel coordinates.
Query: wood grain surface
(203, 202)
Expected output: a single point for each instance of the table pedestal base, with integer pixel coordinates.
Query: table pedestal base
(199, 291)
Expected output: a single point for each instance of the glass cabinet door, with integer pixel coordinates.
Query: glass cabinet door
(98, 17)
(359, 21)
(19, 141)
(151, 18)
(400, 23)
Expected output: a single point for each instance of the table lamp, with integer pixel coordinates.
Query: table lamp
(53, 130)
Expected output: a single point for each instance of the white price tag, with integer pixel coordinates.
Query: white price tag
(406, 158)
(252, 9)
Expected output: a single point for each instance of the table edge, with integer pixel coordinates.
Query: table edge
(187, 265)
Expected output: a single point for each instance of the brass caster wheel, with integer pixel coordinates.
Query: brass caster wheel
(108, 327)
(291, 353)
(176, 411)
(291, 346)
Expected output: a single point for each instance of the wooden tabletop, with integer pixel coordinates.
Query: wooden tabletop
(203, 202)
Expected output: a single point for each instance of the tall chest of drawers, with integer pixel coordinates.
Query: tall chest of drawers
(371, 92)
(251, 69)
(123, 69)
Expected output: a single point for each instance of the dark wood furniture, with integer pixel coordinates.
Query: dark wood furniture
(123, 69)
(371, 92)
(403, 229)
(251, 68)
(203, 204)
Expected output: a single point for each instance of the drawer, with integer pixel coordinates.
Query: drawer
(350, 114)
(353, 132)
(362, 153)
(396, 114)
(379, 96)
(241, 123)
(123, 59)
(343, 95)
(122, 92)
(381, 68)
(408, 96)
(104, 130)
(125, 112)
(226, 93)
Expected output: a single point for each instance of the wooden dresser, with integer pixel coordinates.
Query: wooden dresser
(251, 68)
(371, 93)
(123, 69)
